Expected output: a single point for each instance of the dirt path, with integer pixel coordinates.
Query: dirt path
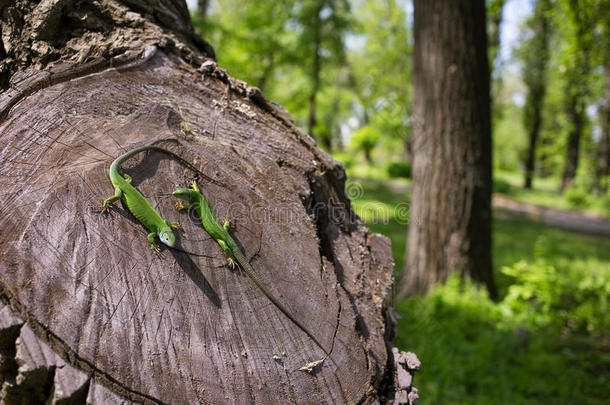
(591, 224)
(508, 208)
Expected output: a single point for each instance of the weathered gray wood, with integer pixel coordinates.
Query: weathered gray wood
(93, 282)
(178, 327)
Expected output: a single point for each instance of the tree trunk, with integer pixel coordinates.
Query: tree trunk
(534, 131)
(577, 87)
(202, 9)
(91, 313)
(315, 71)
(494, 16)
(450, 225)
(534, 73)
(603, 151)
(576, 116)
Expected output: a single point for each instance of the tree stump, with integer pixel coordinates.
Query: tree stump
(92, 314)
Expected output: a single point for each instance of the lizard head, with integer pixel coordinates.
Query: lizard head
(167, 237)
(183, 193)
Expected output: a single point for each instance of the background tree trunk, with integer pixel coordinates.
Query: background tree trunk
(577, 86)
(315, 70)
(450, 226)
(494, 19)
(90, 312)
(534, 73)
(576, 115)
(603, 148)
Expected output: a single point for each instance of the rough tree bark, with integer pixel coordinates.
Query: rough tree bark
(90, 313)
(450, 226)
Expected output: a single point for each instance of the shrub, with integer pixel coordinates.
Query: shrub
(399, 169)
(365, 140)
(565, 295)
(606, 203)
(345, 158)
(577, 197)
(501, 186)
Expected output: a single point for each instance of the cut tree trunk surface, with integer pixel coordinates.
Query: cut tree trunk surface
(178, 327)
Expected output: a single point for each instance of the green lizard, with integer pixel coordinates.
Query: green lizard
(220, 233)
(137, 204)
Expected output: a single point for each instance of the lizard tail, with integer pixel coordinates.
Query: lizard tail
(250, 272)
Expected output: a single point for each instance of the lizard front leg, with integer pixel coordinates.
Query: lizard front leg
(179, 206)
(153, 243)
(173, 225)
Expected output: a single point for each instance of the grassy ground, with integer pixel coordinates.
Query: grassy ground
(545, 193)
(546, 341)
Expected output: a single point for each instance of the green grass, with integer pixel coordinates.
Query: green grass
(546, 341)
(382, 206)
(545, 193)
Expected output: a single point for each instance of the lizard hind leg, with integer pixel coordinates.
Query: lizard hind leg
(228, 252)
(179, 206)
(118, 193)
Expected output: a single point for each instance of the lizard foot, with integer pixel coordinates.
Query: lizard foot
(103, 208)
(231, 263)
(174, 225)
(227, 223)
(156, 248)
(179, 206)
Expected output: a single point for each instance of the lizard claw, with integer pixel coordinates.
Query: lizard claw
(156, 249)
(227, 223)
(102, 207)
(179, 206)
(174, 225)
(231, 262)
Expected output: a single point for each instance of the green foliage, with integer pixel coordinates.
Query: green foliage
(566, 296)
(577, 197)
(605, 203)
(478, 351)
(346, 159)
(272, 45)
(381, 71)
(399, 169)
(509, 137)
(364, 140)
(501, 186)
(542, 343)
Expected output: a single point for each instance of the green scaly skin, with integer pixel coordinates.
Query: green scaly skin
(137, 204)
(220, 233)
